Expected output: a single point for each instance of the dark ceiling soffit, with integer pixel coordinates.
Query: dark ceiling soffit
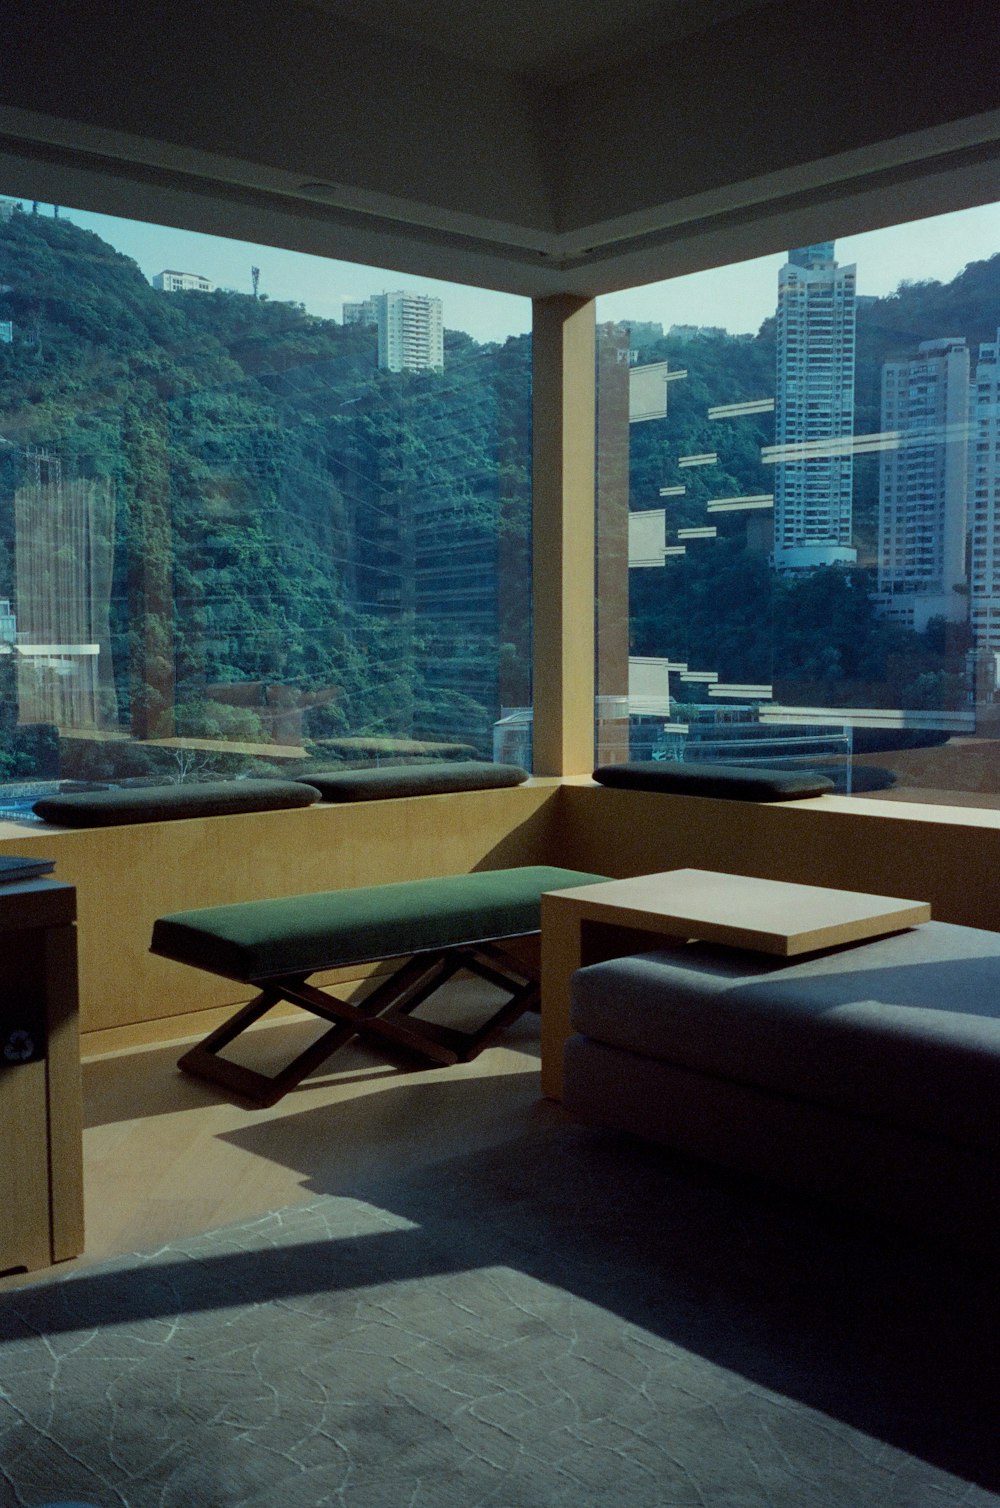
(876, 186)
(305, 208)
(550, 54)
(478, 259)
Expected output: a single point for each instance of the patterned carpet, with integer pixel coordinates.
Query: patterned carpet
(576, 1320)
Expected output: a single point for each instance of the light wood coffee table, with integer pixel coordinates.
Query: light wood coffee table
(609, 920)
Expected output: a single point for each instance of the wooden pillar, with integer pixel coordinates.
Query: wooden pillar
(563, 434)
(41, 1166)
(612, 619)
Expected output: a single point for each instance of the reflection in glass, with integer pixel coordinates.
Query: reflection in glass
(236, 537)
(813, 533)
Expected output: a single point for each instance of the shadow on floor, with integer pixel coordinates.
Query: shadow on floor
(893, 1338)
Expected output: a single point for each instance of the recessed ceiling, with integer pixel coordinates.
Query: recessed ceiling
(535, 146)
(551, 40)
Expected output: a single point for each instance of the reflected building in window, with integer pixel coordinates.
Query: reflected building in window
(814, 410)
(922, 485)
(64, 541)
(984, 498)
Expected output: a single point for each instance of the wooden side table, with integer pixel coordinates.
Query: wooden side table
(594, 922)
(41, 1158)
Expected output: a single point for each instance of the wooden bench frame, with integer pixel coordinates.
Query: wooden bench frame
(384, 1016)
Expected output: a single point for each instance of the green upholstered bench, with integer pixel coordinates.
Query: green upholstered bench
(439, 926)
(163, 803)
(441, 777)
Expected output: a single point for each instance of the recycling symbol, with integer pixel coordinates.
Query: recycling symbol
(19, 1048)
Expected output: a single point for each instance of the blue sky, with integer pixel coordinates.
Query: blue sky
(737, 297)
(740, 297)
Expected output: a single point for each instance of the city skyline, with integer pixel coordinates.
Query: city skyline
(739, 296)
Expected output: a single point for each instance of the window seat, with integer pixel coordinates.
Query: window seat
(163, 803)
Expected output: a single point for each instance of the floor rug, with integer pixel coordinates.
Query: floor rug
(572, 1320)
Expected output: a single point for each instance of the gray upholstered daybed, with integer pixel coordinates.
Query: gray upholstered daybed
(870, 1073)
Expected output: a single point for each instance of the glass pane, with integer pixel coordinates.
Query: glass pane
(251, 534)
(807, 486)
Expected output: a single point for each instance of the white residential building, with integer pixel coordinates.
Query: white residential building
(360, 313)
(182, 282)
(814, 410)
(923, 485)
(984, 497)
(410, 332)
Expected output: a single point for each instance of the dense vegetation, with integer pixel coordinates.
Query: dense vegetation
(296, 534)
(814, 635)
(309, 550)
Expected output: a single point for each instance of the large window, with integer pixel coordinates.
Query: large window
(257, 529)
(803, 455)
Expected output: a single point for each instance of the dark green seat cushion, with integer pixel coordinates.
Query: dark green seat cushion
(730, 782)
(416, 780)
(299, 934)
(212, 798)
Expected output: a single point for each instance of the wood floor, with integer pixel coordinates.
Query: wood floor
(167, 1156)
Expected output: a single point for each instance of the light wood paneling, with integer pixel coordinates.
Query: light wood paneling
(947, 856)
(24, 1186)
(766, 916)
(41, 1172)
(563, 436)
(127, 876)
(166, 1156)
(63, 1096)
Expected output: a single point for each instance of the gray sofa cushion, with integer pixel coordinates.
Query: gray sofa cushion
(416, 780)
(928, 1182)
(904, 1030)
(211, 798)
(729, 782)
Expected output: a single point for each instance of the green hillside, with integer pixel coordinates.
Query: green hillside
(296, 539)
(273, 494)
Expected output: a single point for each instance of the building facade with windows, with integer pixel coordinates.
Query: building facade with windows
(814, 410)
(182, 282)
(360, 312)
(410, 332)
(984, 498)
(923, 484)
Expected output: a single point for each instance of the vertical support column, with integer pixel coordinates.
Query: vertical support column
(563, 434)
(41, 1166)
(611, 618)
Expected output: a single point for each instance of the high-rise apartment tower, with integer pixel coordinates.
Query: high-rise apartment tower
(984, 497)
(814, 410)
(410, 332)
(922, 485)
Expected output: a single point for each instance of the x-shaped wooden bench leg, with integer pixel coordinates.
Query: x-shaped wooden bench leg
(384, 1016)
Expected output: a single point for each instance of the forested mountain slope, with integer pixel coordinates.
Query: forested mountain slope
(271, 492)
